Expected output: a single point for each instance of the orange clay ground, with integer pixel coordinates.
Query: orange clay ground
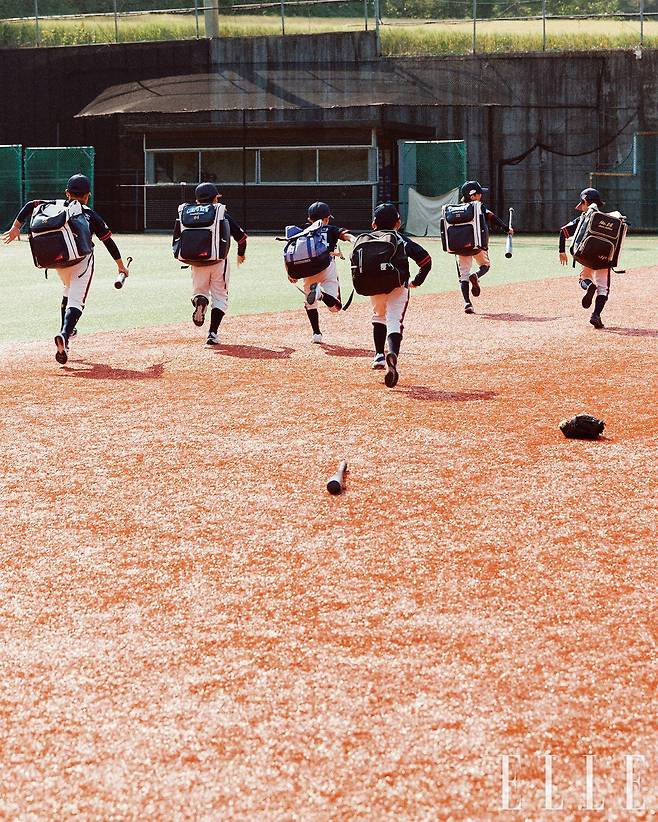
(192, 628)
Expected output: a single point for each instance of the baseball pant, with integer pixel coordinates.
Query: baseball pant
(600, 276)
(465, 261)
(76, 281)
(328, 282)
(389, 309)
(211, 282)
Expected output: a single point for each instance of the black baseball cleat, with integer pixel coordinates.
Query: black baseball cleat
(199, 315)
(589, 295)
(596, 321)
(61, 355)
(391, 376)
(475, 285)
(468, 309)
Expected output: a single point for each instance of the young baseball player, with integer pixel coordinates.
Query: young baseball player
(388, 310)
(75, 278)
(472, 190)
(211, 282)
(591, 280)
(323, 287)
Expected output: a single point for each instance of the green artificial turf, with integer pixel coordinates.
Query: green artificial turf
(158, 290)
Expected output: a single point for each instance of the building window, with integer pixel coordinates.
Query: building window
(225, 166)
(337, 165)
(281, 165)
(174, 167)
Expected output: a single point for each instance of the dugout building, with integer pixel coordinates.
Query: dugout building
(279, 122)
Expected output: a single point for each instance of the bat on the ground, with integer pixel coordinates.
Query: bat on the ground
(508, 246)
(121, 277)
(337, 483)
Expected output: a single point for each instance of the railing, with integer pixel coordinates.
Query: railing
(463, 25)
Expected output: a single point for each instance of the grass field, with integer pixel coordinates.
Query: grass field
(158, 291)
(399, 36)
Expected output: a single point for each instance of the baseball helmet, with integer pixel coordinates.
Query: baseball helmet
(386, 215)
(79, 184)
(318, 211)
(471, 187)
(590, 195)
(206, 192)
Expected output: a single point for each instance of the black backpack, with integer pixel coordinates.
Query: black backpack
(59, 234)
(598, 239)
(376, 263)
(463, 229)
(205, 234)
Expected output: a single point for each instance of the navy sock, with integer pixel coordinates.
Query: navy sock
(314, 319)
(601, 300)
(65, 301)
(394, 342)
(330, 301)
(216, 316)
(465, 292)
(71, 317)
(379, 337)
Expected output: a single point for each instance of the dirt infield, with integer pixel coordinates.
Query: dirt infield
(194, 629)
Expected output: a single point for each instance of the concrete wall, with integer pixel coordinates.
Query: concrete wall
(536, 125)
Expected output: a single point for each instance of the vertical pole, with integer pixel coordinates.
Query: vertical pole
(641, 22)
(365, 15)
(377, 33)
(37, 36)
(475, 14)
(196, 17)
(283, 17)
(116, 23)
(211, 18)
(543, 25)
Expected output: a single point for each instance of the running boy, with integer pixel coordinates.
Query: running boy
(210, 281)
(470, 191)
(76, 278)
(388, 310)
(592, 281)
(323, 287)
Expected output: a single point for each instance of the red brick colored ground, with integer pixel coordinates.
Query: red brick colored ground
(194, 629)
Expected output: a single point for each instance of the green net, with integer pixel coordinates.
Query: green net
(432, 167)
(440, 166)
(47, 170)
(632, 186)
(11, 183)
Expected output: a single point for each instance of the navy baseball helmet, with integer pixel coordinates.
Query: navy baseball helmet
(386, 215)
(318, 211)
(206, 192)
(79, 184)
(590, 195)
(471, 187)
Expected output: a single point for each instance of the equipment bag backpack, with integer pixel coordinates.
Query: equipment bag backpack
(598, 238)
(59, 234)
(463, 231)
(306, 252)
(375, 260)
(205, 234)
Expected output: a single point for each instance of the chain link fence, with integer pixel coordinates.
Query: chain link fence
(424, 27)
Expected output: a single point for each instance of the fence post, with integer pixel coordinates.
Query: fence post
(196, 17)
(641, 22)
(365, 14)
(37, 37)
(211, 18)
(116, 23)
(283, 17)
(475, 15)
(377, 34)
(543, 25)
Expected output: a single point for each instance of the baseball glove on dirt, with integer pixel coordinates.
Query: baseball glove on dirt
(582, 427)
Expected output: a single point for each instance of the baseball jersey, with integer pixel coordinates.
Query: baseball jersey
(419, 255)
(567, 231)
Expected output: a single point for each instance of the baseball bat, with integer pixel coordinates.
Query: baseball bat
(337, 483)
(508, 246)
(121, 277)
